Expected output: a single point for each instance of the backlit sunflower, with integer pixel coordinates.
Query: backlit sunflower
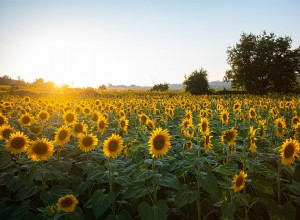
(17, 143)
(67, 203)
(159, 142)
(225, 117)
(40, 149)
(43, 115)
(102, 124)
(290, 149)
(62, 135)
(113, 146)
(3, 120)
(87, 142)
(79, 128)
(69, 118)
(280, 126)
(123, 123)
(252, 113)
(203, 125)
(238, 182)
(5, 131)
(26, 119)
(229, 136)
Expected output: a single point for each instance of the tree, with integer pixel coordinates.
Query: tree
(196, 83)
(263, 63)
(160, 87)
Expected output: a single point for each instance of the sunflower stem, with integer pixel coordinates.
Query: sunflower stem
(278, 183)
(111, 186)
(154, 181)
(198, 182)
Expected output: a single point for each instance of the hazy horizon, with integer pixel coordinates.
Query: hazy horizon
(89, 43)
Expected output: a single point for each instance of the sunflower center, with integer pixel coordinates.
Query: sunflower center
(1, 121)
(159, 142)
(25, 120)
(63, 134)
(95, 117)
(204, 126)
(280, 127)
(17, 143)
(67, 202)
(224, 116)
(143, 118)
(78, 128)
(229, 136)
(40, 148)
(87, 141)
(113, 145)
(43, 116)
(289, 150)
(70, 117)
(101, 124)
(252, 113)
(6, 133)
(239, 182)
(207, 139)
(122, 123)
(296, 120)
(186, 123)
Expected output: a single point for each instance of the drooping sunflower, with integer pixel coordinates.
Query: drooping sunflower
(229, 136)
(67, 203)
(159, 142)
(43, 115)
(79, 128)
(280, 126)
(3, 120)
(69, 117)
(123, 123)
(203, 125)
(6, 131)
(102, 124)
(290, 149)
(87, 142)
(62, 135)
(40, 149)
(17, 143)
(225, 116)
(26, 119)
(113, 146)
(238, 182)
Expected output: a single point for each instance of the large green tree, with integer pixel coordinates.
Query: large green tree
(196, 83)
(263, 63)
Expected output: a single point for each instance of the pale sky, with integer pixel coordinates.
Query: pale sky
(143, 42)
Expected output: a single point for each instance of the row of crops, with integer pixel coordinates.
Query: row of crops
(150, 156)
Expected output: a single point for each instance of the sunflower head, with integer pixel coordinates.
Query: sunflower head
(143, 118)
(225, 117)
(252, 113)
(238, 182)
(290, 149)
(67, 203)
(40, 149)
(3, 120)
(78, 128)
(113, 146)
(43, 115)
(229, 136)
(204, 125)
(62, 135)
(280, 126)
(123, 123)
(207, 141)
(159, 142)
(69, 117)
(150, 125)
(102, 124)
(26, 119)
(189, 145)
(87, 142)
(5, 132)
(17, 143)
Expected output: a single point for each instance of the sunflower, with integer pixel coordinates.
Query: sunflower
(67, 203)
(159, 142)
(207, 141)
(113, 146)
(3, 120)
(238, 182)
(62, 135)
(102, 124)
(87, 142)
(26, 99)
(40, 149)
(150, 125)
(5, 132)
(95, 116)
(237, 106)
(35, 129)
(26, 119)
(43, 115)
(295, 121)
(262, 129)
(189, 114)
(123, 123)
(69, 117)
(252, 113)
(78, 128)
(225, 116)
(143, 118)
(204, 125)
(252, 140)
(189, 145)
(289, 151)
(189, 131)
(229, 136)
(17, 143)
(280, 126)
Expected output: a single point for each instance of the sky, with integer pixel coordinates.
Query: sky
(123, 42)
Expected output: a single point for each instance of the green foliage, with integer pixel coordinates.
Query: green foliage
(263, 63)
(160, 87)
(196, 83)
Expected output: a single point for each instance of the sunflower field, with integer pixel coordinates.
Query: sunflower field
(144, 155)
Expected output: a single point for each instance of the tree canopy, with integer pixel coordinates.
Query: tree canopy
(196, 83)
(263, 63)
(160, 87)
